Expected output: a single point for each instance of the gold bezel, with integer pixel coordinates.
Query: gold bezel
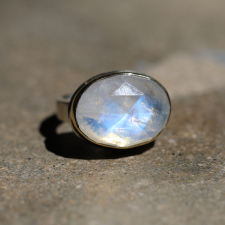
(76, 96)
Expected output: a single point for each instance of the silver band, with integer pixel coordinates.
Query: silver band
(62, 105)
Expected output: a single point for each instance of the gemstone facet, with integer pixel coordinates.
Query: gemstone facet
(123, 110)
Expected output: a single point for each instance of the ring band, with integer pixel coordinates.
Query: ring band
(62, 107)
(118, 109)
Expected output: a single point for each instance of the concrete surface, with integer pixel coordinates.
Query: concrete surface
(48, 176)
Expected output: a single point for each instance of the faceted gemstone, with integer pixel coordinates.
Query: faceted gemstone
(123, 111)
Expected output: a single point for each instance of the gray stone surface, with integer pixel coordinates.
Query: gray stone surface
(48, 176)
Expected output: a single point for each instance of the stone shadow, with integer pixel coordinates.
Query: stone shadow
(68, 145)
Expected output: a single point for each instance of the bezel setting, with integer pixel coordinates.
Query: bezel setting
(78, 93)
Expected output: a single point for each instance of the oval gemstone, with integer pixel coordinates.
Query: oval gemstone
(123, 111)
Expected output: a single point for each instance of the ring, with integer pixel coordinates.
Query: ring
(119, 109)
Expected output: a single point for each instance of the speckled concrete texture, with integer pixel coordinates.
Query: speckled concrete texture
(48, 176)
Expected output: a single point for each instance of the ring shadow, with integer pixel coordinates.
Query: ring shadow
(68, 145)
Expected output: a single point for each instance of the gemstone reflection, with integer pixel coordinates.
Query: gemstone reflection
(123, 111)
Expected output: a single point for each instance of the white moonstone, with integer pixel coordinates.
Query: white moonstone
(123, 111)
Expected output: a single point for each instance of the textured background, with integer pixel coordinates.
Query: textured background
(48, 176)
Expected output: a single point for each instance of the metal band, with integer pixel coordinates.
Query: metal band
(62, 105)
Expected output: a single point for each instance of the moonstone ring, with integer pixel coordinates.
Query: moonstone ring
(119, 109)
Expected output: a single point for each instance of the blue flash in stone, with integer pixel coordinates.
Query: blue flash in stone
(123, 111)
